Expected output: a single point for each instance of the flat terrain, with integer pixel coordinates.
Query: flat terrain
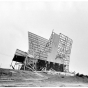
(17, 78)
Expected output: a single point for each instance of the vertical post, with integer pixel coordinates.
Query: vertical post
(34, 64)
(25, 62)
(54, 65)
(46, 66)
(14, 65)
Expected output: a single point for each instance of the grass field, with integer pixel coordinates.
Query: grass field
(19, 78)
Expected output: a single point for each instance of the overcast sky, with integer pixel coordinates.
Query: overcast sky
(68, 18)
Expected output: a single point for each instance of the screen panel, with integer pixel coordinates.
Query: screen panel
(19, 56)
(36, 45)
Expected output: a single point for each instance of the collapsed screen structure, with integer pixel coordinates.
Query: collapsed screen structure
(44, 54)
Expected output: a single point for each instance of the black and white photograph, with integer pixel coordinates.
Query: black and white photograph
(44, 43)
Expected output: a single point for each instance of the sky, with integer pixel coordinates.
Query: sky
(41, 17)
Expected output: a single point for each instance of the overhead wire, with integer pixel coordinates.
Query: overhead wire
(5, 54)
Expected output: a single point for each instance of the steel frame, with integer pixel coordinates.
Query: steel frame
(39, 47)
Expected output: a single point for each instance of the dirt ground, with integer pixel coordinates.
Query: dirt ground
(15, 78)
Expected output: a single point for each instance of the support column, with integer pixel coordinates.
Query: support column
(54, 65)
(25, 62)
(46, 66)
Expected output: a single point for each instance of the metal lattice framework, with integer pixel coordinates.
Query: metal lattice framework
(36, 46)
(64, 49)
(40, 47)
